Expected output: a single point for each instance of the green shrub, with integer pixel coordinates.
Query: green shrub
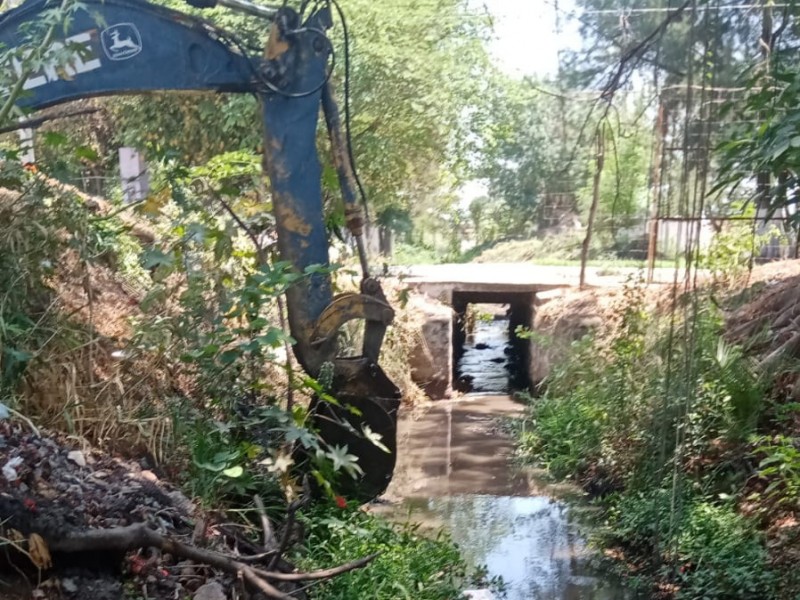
(722, 556)
(405, 254)
(590, 413)
(781, 465)
(565, 434)
(641, 520)
(708, 550)
(410, 565)
(656, 415)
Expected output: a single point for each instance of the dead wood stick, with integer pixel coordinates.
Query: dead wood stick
(138, 536)
(321, 574)
(786, 316)
(255, 549)
(789, 347)
(269, 537)
(239, 539)
(122, 539)
(254, 558)
(288, 523)
(745, 330)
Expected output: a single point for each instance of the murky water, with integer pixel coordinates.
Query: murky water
(454, 471)
(490, 363)
(486, 360)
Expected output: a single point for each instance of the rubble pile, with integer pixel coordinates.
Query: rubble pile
(51, 490)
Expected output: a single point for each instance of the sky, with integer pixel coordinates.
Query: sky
(526, 39)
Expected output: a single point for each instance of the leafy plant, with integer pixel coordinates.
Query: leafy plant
(410, 565)
(781, 466)
(646, 417)
(768, 143)
(722, 556)
(32, 214)
(228, 337)
(734, 249)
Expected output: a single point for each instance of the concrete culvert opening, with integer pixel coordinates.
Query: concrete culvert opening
(488, 356)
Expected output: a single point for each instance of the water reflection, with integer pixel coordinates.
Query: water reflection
(531, 542)
(453, 471)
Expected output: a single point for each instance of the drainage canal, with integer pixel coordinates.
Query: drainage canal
(488, 356)
(454, 472)
(454, 468)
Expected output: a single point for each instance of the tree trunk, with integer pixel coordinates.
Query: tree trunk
(763, 179)
(655, 184)
(599, 159)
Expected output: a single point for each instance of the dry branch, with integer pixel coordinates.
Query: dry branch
(789, 348)
(123, 539)
(270, 542)
(322, 573)
(786, 316)
(288, 524)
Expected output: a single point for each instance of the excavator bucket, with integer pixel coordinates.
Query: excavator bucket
(366, 414)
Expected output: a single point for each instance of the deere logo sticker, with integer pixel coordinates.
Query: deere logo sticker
(121, 41)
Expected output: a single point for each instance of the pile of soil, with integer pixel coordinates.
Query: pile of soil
(766, 318)
(51, 490)
(565, 317)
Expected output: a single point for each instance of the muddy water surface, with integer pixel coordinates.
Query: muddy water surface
(454, 471)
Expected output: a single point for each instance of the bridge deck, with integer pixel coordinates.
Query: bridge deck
(519, 277)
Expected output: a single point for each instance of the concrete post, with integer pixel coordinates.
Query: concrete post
(133, 174)
(27, 154)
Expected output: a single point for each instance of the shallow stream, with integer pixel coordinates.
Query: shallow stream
(454, 471)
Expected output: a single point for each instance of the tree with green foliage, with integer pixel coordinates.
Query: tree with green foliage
(623, 189)
(610, 31)
(529, 156)
(764, 138)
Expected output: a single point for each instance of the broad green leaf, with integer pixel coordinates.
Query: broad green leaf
(234, 472)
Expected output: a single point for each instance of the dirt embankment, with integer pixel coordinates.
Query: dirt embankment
(763, 315)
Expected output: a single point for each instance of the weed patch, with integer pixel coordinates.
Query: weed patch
(410, 565)
(656, 419)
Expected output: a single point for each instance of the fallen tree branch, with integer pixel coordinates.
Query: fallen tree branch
(239, 539)
(123, 539)
(288, 524)
(787, 348)
(786, 316)
(257, 552)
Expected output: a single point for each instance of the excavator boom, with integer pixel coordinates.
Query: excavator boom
(132, 46)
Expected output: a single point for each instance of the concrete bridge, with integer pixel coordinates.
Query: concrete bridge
(521, 286)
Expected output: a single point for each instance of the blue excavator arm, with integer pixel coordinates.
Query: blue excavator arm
(131, 47)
